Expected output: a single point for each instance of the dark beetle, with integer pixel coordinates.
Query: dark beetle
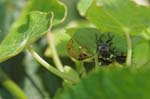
(106, 52)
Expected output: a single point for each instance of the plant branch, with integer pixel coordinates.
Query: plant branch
(11, 86)
(54, 53)
(50, 67)
(129, 53)
(51, 43)
(96, 62)
(80, 68)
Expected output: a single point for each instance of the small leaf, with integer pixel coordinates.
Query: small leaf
(141, 54)
(81, 46)
(36, 25)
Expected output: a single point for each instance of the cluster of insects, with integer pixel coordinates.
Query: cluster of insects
(105, 49)
(106, 52)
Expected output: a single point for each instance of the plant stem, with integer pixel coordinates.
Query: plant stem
(129, 53)
(54, 53)
(11, 86)
(96, 62)
(50, 67)
(80, 68)
(51, 43)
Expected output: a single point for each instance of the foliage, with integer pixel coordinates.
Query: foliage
(99, 49)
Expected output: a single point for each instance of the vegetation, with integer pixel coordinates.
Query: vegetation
(74, 49)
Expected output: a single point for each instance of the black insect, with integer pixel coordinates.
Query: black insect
(104, 61)
(107, 53)
(121, 58)
(105, 50)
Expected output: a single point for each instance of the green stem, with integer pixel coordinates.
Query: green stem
(96, 63)
(11, 86)
(55, 57)
(80, 68)
(129, 53)
(50, 38)
(50, 67)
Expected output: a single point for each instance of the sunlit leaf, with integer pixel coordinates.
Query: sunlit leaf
(47, 6)
(26, 34)
(118, 16)
(24, 31)
(141, 54)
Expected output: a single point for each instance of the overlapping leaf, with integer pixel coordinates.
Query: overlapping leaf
(46, 6)
(117, 16)
(26, 34)
(110, 84)
(30, 27)
(84, 42)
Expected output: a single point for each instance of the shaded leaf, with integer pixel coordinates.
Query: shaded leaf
(83, 43)
(107, 84)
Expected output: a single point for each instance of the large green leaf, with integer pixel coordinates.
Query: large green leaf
(20, 34)
(110, 84)
(117, 15)
(36, 25)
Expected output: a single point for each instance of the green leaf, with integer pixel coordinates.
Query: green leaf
(141, 54)
(110, 83)
(36, 25)
(83, 43)
(60, 39)
(83, 6)
(118, 16)
(55, 6)
(80, 45)
(18, 36)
